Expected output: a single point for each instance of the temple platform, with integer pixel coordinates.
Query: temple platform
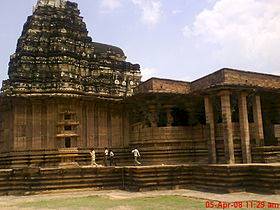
(258, 178)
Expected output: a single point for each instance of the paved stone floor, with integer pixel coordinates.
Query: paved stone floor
(6, 202)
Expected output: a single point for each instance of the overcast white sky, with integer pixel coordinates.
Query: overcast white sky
(176, 39)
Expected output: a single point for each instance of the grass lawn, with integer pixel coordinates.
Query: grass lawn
(103, 203)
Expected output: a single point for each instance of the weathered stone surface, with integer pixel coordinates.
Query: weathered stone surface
(45, 123)
(55, 56)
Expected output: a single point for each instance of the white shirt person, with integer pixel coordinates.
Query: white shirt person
(93, 162)
(106, 156)
(136, 155)
(112, 158)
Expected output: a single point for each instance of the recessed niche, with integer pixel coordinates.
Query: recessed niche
(67, 117)
(67, 142)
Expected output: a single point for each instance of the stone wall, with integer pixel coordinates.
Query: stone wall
(6, 126)
(170, 145)
(45, 123)
(250, 178)
(155, 85)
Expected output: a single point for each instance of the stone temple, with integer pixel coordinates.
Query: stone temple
(66, 94)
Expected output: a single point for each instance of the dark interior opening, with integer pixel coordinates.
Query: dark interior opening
(162, 119)
(67, 142)
(67, 117)
(234, 108)
(180, 117)
(217, 109)
(67, 128)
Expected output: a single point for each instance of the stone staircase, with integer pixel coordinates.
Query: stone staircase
(51, 158)
(123, 157)
(267, 154)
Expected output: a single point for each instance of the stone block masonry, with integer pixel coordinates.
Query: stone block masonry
(259, 178)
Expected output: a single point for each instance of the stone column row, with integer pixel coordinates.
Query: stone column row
(228, 129)
(154, 115)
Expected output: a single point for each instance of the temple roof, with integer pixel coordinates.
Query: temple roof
(225, 78)
(233, 78)
(55, 54)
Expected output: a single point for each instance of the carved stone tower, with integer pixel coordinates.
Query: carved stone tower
(55, 55)
(64, 90)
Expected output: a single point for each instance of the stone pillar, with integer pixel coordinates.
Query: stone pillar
(168, 109)
(244, 128)
(257, 112)
(210, 122)
(154, 115)
(227, 127)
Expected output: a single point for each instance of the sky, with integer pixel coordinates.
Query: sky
(174, 39)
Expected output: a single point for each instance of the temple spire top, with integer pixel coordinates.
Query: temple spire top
(52, 3)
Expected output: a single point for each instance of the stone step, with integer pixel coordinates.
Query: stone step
(222, 178)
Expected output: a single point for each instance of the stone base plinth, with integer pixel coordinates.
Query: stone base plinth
(257, 178)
